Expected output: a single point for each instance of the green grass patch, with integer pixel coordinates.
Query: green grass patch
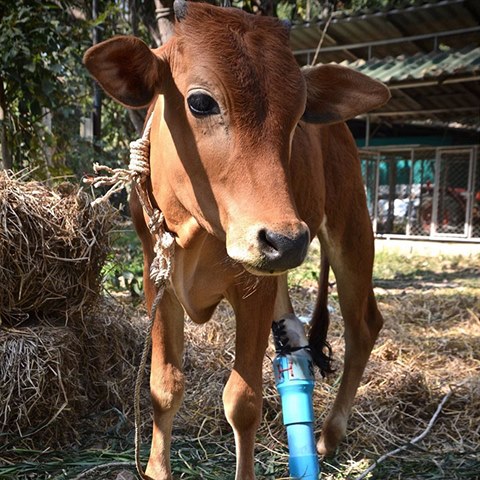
(392, 265)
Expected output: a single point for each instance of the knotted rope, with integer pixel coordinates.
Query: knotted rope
(161, 267)
(137, 173)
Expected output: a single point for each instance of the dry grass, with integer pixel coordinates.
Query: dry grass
(430, 345)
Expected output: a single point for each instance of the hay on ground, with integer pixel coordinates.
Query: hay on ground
(430, 344)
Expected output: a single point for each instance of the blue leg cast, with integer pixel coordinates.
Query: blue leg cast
(294, 377)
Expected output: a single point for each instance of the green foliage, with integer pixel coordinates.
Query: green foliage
(123, 271)
(361, 5)
(314, 10)
(47, 90)
(40, 50)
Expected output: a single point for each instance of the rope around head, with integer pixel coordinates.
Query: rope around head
(161, 267)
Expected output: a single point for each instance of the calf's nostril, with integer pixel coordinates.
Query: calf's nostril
(269, 242)
(282, 252)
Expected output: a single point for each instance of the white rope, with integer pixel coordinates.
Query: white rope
(117, 178)
(138, 171)
(139, 158)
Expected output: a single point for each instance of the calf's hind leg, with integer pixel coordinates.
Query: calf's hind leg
(363, 321)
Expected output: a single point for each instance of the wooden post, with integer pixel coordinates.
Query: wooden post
(164, 17)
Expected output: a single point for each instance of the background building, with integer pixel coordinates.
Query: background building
(420, 152)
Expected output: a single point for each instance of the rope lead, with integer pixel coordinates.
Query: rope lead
(161, 267)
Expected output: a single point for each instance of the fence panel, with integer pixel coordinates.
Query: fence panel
(475, 210)
(369, 172)
(426, 192)
(453, 196)
(422, 192)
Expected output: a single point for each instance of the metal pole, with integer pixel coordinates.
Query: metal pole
(436, 194)
(391, 41)
(471, 193)
(367, 132)
(377, 186)
(408, 230)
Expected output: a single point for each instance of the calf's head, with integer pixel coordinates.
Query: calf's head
(232, 98)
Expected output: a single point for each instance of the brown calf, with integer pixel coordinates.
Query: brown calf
(250, 158)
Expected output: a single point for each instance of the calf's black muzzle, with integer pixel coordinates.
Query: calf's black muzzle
(281, 252)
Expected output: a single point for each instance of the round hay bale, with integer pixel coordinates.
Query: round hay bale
(53, 244)
(111, 338)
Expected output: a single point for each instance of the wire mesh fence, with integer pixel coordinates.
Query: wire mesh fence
(424, 192)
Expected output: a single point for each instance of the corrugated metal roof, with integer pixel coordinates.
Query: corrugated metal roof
(428, 18)
(428, 54)
(431, 66)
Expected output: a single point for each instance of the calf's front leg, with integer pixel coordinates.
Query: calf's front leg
(242, 396)
(166, 381)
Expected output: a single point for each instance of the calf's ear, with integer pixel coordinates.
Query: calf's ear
(126, 69)
(336, 94)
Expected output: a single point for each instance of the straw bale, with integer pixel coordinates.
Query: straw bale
(40, 388)
(53, 244)
(111, 338)
(51, 378)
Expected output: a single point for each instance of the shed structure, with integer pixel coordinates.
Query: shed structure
(420, 153)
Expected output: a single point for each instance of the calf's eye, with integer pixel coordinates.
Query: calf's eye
(201, 105)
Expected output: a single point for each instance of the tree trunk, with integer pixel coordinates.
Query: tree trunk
(165, 19)
(6, 155)
(97, 91)
(137, 117)
(133, 17)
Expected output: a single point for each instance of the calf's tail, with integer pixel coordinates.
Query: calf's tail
(320, 349)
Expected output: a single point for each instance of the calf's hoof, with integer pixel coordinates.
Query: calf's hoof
(333, 433)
